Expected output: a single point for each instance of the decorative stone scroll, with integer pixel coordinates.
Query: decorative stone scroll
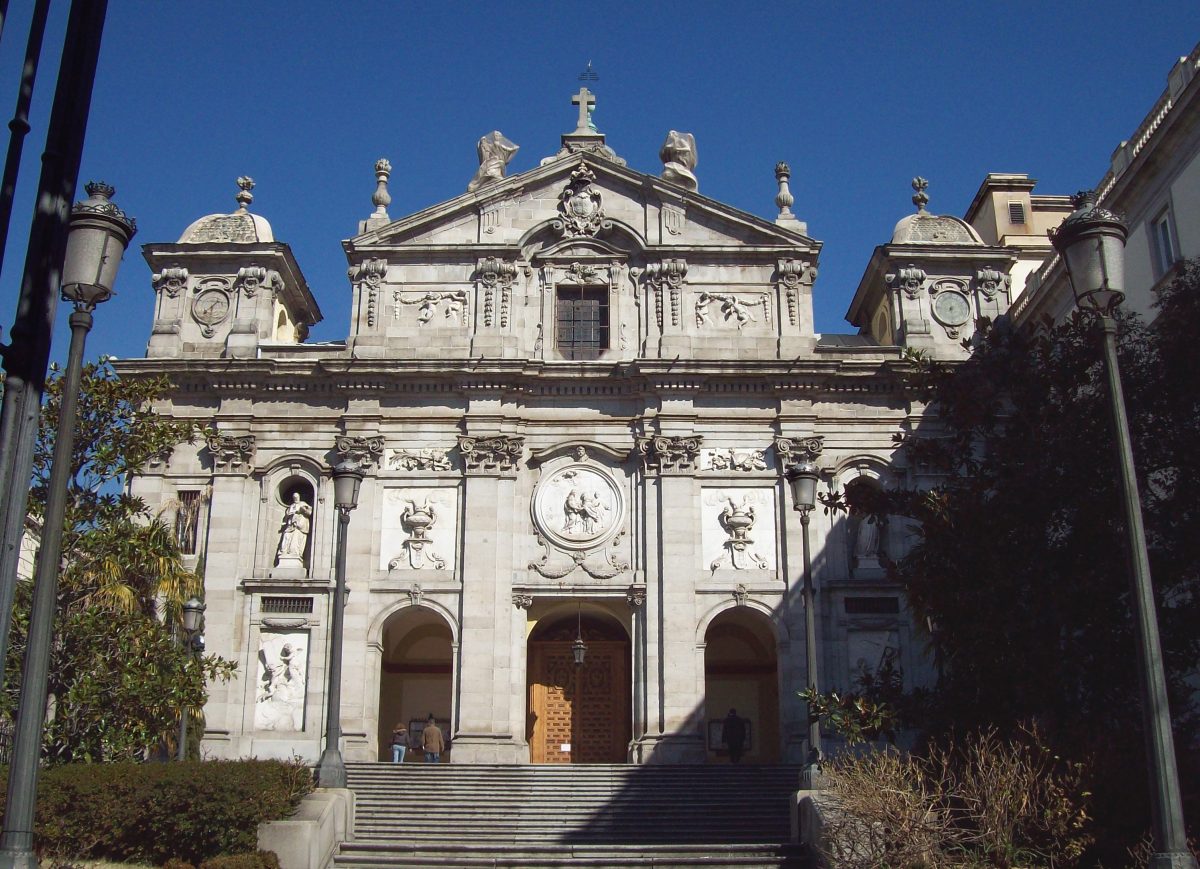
(792, 274)
(231, 453)
(909, 280)
(452, 304)
(369, 275)
(418, 460)
(494, 455)
(496, 278)
(282, 681)
(635, 596)
(170, 281)
(415, 594)
(359, 453)
(602, 562)
(667, 278)
(790, 452)
(522, 601)
(669, 455)
(674, 219)
(251, 279)
(580, 206)
(990, 282)
(740, 595)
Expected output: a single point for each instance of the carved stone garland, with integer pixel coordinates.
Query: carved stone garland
(603, 562)
(791, 274)
(231, 453)
(669, 455)
(496, 277)
(370, 274)
(667, 278)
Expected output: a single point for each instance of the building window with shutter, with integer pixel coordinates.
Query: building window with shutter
(187, 521)
(1162, 239)
(582, 322)
(1016, 213)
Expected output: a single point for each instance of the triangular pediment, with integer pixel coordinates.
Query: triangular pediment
(633, 211)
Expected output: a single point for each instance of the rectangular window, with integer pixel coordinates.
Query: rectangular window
(582, 322)
(1162, 239)
(861, 606)
(187, 521)
(287, 604)
(1016, 212)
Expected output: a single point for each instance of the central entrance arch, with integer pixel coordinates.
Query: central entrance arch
(416, 676)
(579, 714)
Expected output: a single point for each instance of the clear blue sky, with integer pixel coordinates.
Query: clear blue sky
(857, 97)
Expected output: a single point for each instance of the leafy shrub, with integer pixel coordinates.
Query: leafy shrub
(982, 802)
(257, 860)
(190, 811)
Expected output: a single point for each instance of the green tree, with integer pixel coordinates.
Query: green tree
(1019, 559)
(119, 675)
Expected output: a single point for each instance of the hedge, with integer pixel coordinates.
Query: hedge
(154, 812)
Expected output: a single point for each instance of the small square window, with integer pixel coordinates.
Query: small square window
(1016, 212)
(1162, 240)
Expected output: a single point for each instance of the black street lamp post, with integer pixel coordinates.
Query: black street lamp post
(99, 234)
(331, 773)
(1092, 244)
(802, 478)
(193, 618)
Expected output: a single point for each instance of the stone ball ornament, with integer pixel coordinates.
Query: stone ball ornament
(578, 507)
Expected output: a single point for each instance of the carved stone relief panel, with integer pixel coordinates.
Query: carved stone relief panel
(426, 459)
(870, 649)
(738, 530)
(282, 681)
(732, 311)
(578, 506)
(433, 308)
(734, 460)
(419, 529)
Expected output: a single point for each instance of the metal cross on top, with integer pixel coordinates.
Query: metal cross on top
(586, 100)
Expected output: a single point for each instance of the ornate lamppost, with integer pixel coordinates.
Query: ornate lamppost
(802, 478)
(331, 773)
(1092, 244)
(193, 618)
(99, 233)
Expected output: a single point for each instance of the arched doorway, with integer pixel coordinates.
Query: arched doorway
(579, 713)
(741, 672)
(416, 676)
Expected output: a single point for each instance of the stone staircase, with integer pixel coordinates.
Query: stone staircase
(418, 815)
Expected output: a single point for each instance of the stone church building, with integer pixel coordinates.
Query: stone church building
(575, 393)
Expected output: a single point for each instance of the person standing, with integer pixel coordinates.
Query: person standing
(733, 734)
(399, 742)
(432, 741)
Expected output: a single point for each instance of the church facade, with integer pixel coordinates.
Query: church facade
(575, 394)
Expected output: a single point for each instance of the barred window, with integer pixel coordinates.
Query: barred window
(582, 331)
(872, 605)
(287, 604)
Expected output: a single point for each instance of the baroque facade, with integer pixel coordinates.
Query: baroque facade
(576, 392)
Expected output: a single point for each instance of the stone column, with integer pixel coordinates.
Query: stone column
(232, 462)
(636, 598)
(485, 696)
(671, 597)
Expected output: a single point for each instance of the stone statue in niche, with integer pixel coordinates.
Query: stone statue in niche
(281, 683)
(417, 520)
(494, 153)
(293, 535)
(678, 154)
(866, 543)
(737, 519)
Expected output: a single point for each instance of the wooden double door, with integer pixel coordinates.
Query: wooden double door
(579, 714)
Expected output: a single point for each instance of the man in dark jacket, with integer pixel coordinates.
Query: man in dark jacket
(733, 734)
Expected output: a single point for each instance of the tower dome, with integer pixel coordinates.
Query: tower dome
(926, 228)
(241, 227)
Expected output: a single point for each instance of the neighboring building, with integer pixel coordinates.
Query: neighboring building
(1154, 181)
(575, 393)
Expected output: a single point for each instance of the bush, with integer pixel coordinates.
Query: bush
(984, 802)
(191, 811)
(257, 860)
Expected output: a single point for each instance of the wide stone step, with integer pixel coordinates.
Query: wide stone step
(371, 854)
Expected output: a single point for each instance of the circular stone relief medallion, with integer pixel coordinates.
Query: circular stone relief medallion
(577, 506)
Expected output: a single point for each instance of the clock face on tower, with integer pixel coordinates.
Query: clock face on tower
(209, 308)
(951, 308)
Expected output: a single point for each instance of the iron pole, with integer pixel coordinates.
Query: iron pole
(332, 770)
(810, 645)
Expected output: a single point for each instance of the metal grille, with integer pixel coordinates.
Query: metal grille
(287, 604)
(1016, 212)
(582, 322)
(872, 605)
